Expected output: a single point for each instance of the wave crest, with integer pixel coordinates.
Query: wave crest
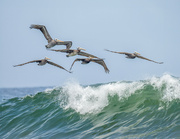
(92, 99)
(168, 85)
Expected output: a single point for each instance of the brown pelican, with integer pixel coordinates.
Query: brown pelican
(43, 62)
(73, 52)
(134, 55)
(90, 59)
(51, 42)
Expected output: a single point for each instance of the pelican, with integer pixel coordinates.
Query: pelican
(90, 59)
(43, 62)
(73, 52)
(134, 55)
(51, 42)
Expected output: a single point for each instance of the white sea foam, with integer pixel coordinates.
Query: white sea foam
(48, 90)
(93, 99)
(169, 86)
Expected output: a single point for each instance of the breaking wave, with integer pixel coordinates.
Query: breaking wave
(138, 109)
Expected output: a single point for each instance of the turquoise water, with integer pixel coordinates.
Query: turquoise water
(139, 109)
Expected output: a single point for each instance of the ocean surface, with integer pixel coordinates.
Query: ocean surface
(138, 109)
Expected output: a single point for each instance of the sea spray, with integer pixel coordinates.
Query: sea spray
(169, 86)
(93, 98)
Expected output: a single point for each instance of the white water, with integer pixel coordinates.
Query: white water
(92, 99)
(171, 84)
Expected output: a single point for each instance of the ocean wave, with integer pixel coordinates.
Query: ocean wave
(92, 99)
(137, 109)
(168, 85)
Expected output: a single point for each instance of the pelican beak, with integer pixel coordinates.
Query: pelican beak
(82, 49)
(47, 58)
(57, 40)
(137, 53)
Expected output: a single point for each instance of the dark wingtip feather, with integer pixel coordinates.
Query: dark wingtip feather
(107, 71)
(106, 50)
(31, 26)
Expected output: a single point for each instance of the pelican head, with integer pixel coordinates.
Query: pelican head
(57, 40)
(79, 48)
(136, 53)
(46, 58)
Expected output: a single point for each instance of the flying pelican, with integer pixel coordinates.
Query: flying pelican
(90, 59)
(51, 42)
(134, 55)
(43, 62)
(73, 52)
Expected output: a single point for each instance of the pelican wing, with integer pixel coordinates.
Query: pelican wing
(54, 64)
(119, 52)
(149, 59)
(102, 63)
(67, 43)
(43, 29)
(86, 54)
(77, 59)
(28, 63)
(63, 50)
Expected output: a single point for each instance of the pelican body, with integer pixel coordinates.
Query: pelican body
(73, 52)
(51, 42)
(90, 59)
(43, 62)
(134, 55)
(85, 61)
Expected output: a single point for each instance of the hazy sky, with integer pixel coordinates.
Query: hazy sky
(151, 28)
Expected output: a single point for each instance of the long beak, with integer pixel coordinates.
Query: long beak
(137, 53)
(57, 40)
(47, 58)
(83, 49)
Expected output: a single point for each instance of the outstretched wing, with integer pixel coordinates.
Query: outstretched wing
(67, 43)
(54, 64)
(149, 59)
(119, 52)
(43, 29)
(86, 54)
(77, 59)
(102, 63)
(28, 63)
(62, 50)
